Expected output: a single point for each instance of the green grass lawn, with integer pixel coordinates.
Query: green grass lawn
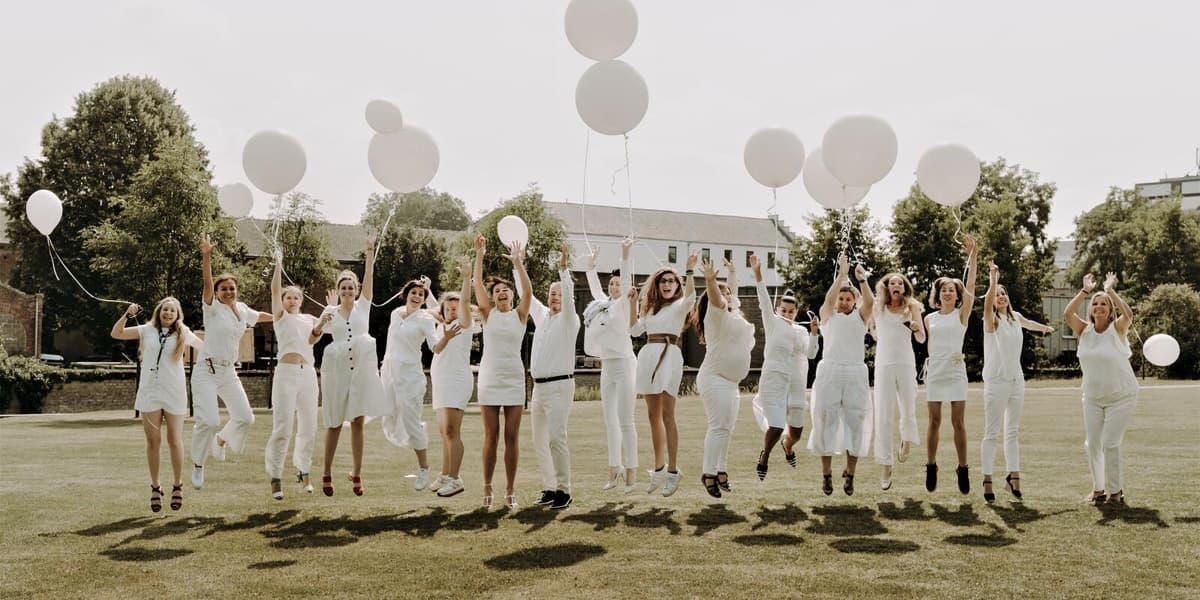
(75, 520)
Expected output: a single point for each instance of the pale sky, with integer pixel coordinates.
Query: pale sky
(1088, 94)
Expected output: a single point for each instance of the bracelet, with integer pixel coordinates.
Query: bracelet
(1083, 291)
(688, 273)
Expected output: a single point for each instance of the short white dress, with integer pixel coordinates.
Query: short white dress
(660, 366)
(350, 384)
(945, 369)
(453, 382)
(161, 383)
(501, 372)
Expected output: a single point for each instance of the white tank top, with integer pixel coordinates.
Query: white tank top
(945, 335)
(1104, 360)
(1002, 350)
(894, 346)
(845, 337)
(291, 335)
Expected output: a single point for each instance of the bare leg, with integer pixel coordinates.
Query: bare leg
(454, 440)
(851, 463)
(958, 418)
(491, 438)
(826, 465)
(668, 419)
(770, 438)
(793, 436)
(151, 424)
(356, 444)
(175, 444)
(512, 440)
(931, 436)
(422, 458)
(331, 441)
(658, 433)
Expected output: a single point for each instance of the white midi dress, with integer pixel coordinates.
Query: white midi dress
(350, 384)
(501, 372)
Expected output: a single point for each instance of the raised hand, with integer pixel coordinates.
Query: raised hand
(516, 253)
(133, 310)
(331, 297)
(993, 273)
(452, 330)
(206, 246)
(565, 256)
(1110, 281)
(480, 245)
(860, 273)
(692, 259)
(464, 266)
(626, 246)
(843, 263)
(729, 268)
(1089, 283)
(968, 244)
(371, 239)
(425, 283)
(707, 268)
(592, 258)
(278, 255)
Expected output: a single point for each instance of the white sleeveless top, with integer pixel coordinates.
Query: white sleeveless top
(945, 335)
(291, 335)
(1002, 350)
(894, 346)
(844, 338)
(1104, 360)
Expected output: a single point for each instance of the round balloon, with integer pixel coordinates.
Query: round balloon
(384, 117)
(405, 161)
(44, 211)
(859, 150)
(948, 174)
(825, 188)
(235, 199)
(774, 156)
(513, 229)
(274, 161)
(1161, 349)
(601, 29)
(611, 97)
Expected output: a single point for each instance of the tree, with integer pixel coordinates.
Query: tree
(90, 159)
(813, 260)
(307, 260)
(1173, 309)
(425, 208)
(410, 254)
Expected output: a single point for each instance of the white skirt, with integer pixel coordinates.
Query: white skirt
(350, 384)
(502, 384)
(842, 412)
(781, 401)
(404, 387)
(452, 388)
(670, 372)
(945, 379)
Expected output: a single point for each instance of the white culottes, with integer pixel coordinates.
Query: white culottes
(404, 386)
(841, 410)
(293, 397)
(895, 389)
(781, 400)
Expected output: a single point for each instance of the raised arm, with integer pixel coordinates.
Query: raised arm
(518, 259)
(1126, 319)
(864, 289)
(206, 268)
(626, 264)
(916, 322)
(968, 301)
(568, 284)
(715, 299)
(465, 318)
(368, 282)
(319, 329)
(689, 286)
(764, 299)
(989, 299)
(593, 278)
(118, 331)
(1032, 325)
(1072, 319)
(277, 285)
(485, 301)
(843, 272)
(632, 295)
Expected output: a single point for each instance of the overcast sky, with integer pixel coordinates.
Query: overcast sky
(1089, 95)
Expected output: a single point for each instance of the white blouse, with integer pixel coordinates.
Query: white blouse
(224, 328)
(405, 335)
(291, 335)
(669, 319)
(786, 343)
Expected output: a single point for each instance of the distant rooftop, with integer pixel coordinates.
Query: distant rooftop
(597, 219)
(346, 241)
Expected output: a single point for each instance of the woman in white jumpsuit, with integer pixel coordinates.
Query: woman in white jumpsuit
(453, 382)
(783, 381)
(1110, 388)
(403, 375)
(897, 322)
(841, 404)
(161, 392)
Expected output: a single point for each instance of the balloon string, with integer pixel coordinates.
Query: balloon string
(383, 232)
(628, 186)
(54, 254)
(587, 144)
(281, 269)
(53, 267)
(774, 217)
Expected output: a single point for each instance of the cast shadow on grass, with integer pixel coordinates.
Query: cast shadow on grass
(862, 545)
(846, 521)
(1133, 515)
(174, 527)
(768, 539)
(605, 517)
(788, 514)
(545, 557)
(91, 423)
(271, 564)
(712, 517)
(1187, 520)
(655, 518)
(319, 532)
(996, 539)
(144, 554)
(116, 526)
(964, 516)
(913, 510)
(478, 520)
(536, 517)
(1018, 514)
(254, 521)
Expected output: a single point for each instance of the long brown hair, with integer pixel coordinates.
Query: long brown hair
(696, 317)
(1008, 311)
(177, 328)
(652, 300)
(935, 293)
(881, 288)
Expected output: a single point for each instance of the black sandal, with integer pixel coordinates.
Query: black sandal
(156, 495)
(710, 485)
(761, 467)
(723, 481)
(177, 496)
(790, 457)
(848, 487)
(989, 497)
(1116, 498)
(1015, 492)
(827, 484)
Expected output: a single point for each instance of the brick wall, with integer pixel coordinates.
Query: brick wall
(18, 321)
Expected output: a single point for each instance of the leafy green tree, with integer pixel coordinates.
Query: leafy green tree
(307, 260)
(409, 254)
(1173, 309)
(425, 208)
(814, 259)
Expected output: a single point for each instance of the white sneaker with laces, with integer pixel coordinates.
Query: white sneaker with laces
(439, 482)
(422, 479)
(672, 483)
(657, 478)
(197, 477)
(453, 486)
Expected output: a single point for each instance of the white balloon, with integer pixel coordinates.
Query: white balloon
(825, 188)
(948, 174)
(1161, 349)
(601, 29)
(44, 211)
(859, 150)
(274, 161)
(405, 161)
(384, 117)
(611, 97)
(513, 229)
(235, 199)
(774, 156)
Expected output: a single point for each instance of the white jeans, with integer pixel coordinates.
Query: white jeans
(406, 396)
(1104, 422)
(293, 395)
(549, 409)
(1002, 401)
(206, 388)
(841, 411)
(721, 402)
(895, 387)
(617, 401)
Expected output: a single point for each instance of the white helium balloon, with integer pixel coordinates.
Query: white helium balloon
(1161, 349)
(44, 211)
(948, 174)
(274, 161)
(825, 188)
(601, 29)
(235, 199)
(384, 117)
(859, 150)
(513, 229)
(774, 156)
(611, 97)
(405, 161)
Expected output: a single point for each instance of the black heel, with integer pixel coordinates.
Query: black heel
(710, 485)
(827, 484)
(1014, 491)
(177, 497)
(723, 481)
(988, 497)
(156, 495)
(761, 467)
(848, 487)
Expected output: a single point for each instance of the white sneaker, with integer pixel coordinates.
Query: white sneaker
(197, 477)
(617, 479)
(672, 483)
(422, 479)
(439, 482)
(452, 487)
(885, 482)
(218, 451)
(308, 487)
(656, 479)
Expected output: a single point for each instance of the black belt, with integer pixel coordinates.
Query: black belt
(555, 378)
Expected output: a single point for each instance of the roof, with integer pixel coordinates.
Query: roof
(346, 241)
(669, 224)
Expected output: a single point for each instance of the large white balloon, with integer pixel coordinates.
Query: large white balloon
(405, 161)
(611, 97)
(859, 150)
(1161, 349)
(513, 229)
(774, 156)
(601, 29)
(235, 199)
(825, 188)
(384, 117)
(948, 174)
(274, 161)
(44, 211)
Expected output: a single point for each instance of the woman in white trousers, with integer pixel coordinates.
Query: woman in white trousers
(897, 322)
(1110, 388)
(453, 382)
(403, 375)
(1003, 383)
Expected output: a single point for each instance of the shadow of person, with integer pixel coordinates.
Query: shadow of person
(604, 517)
(545, 557)
(712, 517)
(1018, 513)
(996, 539)
(654, 518)
(416, 525)
(116, 526)
(867, 545)
(846, 521)
(768, 539)
(144, 554)
(478, 519)
(1134, 515)
(1187, 520)
(271, 564)
(175, 527)
(788, 514)
(963, 516)
(536, 517)
(913, 510)
(254, 521)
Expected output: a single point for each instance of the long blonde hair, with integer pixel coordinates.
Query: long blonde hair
(177, 328)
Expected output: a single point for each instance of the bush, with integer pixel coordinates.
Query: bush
(1173, 309)
(28, 381)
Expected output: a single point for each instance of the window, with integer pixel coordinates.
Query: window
(748, 255)
(729, 255)
(706, 254)
(770, 260)
(671, 254)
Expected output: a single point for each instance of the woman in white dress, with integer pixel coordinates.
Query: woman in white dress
(294, 388)
(783, 381)
(453, 381)
(728, 338)
(215, 373)
(404, 376)
(501, 372)
(945, 369)
(351, 389)
(1110, 388)
(841, 404)
(161, 393)
(897, 322)
(1003, 382)
(664, 309)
